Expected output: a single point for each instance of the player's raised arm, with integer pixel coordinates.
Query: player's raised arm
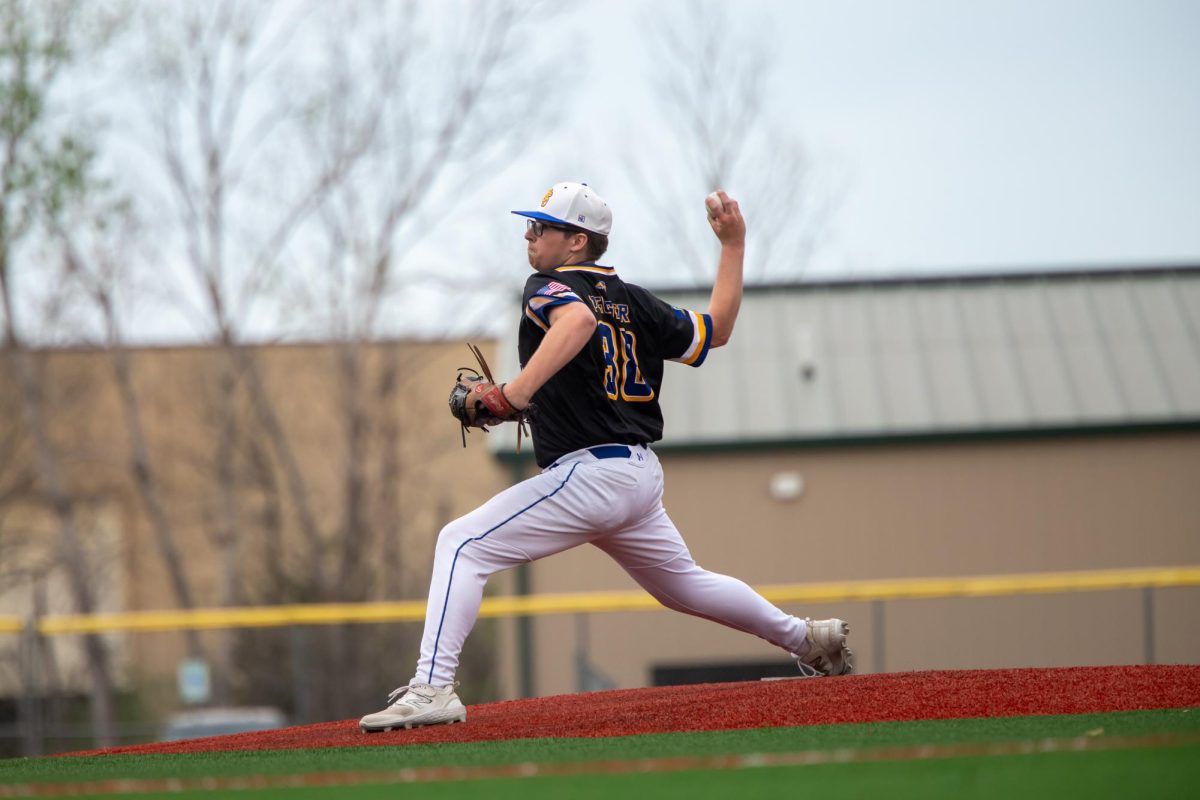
(726, 220)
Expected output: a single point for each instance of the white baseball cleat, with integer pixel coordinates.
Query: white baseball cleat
(416, 706)
(827, 653)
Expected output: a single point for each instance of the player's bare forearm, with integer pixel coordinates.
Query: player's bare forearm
(571, 327)
(730, 229)
(727, 293)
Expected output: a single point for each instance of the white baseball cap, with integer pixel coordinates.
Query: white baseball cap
(573, 204)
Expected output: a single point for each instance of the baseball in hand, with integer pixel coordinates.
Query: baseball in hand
(714, 204)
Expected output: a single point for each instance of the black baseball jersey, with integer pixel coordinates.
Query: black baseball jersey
(609, 391)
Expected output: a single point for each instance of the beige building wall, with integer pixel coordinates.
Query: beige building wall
(867, 511)
(909, 511)
(177, 388)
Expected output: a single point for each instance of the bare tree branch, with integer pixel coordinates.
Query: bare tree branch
(42, 169)
(711, 78)
(101, 272)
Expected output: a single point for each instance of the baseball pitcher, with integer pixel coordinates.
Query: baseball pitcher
(592, 349)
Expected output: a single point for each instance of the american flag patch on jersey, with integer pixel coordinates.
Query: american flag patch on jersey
(554, 287)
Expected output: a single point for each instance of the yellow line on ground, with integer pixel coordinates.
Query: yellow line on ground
(602, 602)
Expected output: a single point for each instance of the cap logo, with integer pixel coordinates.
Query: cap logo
(546, 199)
(582, 218)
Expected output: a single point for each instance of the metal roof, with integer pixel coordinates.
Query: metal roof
(931, 356)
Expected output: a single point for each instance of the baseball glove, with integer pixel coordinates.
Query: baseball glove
(477, 401)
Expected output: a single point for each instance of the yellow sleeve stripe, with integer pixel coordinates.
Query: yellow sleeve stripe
(696, 346)
(701, 338)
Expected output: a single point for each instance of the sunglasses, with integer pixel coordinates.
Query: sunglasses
(537, 228)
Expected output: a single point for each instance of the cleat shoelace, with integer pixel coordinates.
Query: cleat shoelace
(405, 695)
(809, 672)
(409, 696)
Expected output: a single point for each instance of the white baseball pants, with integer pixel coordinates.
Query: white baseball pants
(613, 502)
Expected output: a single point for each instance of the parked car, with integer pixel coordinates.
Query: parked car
(222, 721)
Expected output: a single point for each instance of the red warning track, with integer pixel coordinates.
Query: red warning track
(726, 706)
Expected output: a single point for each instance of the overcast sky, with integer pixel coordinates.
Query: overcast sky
(956, 137)
(969, 136)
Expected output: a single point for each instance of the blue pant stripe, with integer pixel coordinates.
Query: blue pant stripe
(450, 580)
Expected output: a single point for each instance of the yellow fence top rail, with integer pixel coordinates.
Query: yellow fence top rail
(600, 602)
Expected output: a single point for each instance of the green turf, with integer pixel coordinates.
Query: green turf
(1170, 772)
(758, 740)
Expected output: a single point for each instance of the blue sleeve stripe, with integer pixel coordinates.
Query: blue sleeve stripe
(696, 351)
(707, 340)
(543, 304)
(536, 320)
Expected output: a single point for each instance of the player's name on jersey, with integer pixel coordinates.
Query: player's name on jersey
(618, 311)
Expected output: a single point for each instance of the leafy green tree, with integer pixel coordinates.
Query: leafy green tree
(45, 167)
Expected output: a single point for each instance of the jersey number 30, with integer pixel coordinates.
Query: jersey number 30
(622, 376)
